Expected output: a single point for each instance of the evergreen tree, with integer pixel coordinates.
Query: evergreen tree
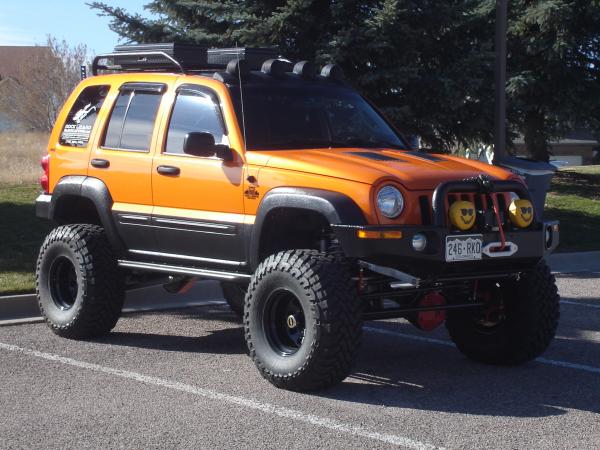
(427, 63)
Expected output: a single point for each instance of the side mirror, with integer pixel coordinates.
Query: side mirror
(203, 144)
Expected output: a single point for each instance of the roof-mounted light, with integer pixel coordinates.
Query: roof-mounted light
(332, 72)
(305, 69)
(275, 67)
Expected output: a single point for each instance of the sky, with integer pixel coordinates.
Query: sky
(71, 20)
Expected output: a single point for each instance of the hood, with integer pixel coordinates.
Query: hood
(414, 170)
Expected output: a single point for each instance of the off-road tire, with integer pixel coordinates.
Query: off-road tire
(532, 313)
(235, 296)
(333, 324)
(97, 304)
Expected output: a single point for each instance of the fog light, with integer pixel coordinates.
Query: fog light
(419, 242)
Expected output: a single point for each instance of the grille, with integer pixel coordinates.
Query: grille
(486, 219)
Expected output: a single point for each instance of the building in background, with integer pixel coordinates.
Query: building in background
(577, 148)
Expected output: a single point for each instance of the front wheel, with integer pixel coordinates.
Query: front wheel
(516, 326)
(302, 320)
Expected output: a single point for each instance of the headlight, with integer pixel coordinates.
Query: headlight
(390, 201)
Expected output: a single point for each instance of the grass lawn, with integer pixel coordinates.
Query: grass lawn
(574, 200)
(21, 234)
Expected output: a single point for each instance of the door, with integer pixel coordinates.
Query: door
(122, 159)
(198, 201)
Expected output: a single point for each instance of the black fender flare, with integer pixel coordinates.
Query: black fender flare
(337, 209)
(95, 190)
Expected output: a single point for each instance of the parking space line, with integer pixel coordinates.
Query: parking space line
(550, 362)
(264, 407)
(587, 305)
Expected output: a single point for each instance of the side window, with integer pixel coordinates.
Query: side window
(132, 120)
(82, 116)
(194, 111)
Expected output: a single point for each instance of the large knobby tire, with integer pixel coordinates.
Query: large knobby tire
(529, 318)
(235, 296)
(79, 286)
(313, 291)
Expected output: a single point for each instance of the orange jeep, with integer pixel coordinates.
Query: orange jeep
(294, 191)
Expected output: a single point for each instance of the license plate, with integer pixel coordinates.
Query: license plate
(464, 248)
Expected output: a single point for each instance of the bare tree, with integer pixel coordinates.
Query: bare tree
(39, 86)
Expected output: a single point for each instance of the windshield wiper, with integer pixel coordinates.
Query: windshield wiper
(367, 143)
(303, 142)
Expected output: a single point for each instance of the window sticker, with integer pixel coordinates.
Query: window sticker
(81, 118)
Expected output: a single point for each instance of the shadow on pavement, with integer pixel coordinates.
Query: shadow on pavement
(398, 373)
(404, 374)
(229, 340)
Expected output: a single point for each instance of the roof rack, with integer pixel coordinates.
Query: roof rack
(180, 57)
(156, 61)
(226, 64)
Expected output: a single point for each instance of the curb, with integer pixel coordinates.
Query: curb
(575, 262)
(23, 308)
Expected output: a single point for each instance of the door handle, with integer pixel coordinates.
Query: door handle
(100, 163)
(168, 170)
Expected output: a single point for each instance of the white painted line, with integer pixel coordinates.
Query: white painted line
(550, 362)
(409, 336)
(569, 365)
(267, 408)
(21, 321)
(587, 305)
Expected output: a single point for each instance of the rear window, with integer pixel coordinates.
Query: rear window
(82, 116)
(132, 120)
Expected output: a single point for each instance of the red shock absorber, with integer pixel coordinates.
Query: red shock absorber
(499, 221)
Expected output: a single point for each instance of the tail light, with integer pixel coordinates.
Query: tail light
(45, 178)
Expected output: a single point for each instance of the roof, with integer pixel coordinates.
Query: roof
(12, 58)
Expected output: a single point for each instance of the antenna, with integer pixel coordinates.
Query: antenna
(239, 71)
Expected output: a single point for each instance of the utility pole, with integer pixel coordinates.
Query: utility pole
(500, 81)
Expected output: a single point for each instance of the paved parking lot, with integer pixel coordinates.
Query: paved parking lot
(182, 379)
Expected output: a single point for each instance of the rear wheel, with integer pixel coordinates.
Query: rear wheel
(518, 323)
(79, 286)
(302, 320)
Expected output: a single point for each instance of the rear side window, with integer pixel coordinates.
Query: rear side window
(194, 111)
(82, 116)
(132, 119)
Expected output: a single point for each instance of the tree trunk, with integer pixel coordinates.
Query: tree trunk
(536, 140)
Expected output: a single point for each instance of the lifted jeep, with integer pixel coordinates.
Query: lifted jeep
(297, 194)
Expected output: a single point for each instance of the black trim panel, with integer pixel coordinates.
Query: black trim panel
(337, 208)
(96, 191)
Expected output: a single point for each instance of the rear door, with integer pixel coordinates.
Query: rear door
(69, 150)
(122, 158)
(198, 201)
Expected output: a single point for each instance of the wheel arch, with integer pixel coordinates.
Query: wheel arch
(92, 201)
(319, 205)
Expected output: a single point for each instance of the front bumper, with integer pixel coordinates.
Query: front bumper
(532, 245)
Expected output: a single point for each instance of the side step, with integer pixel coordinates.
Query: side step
(165, 268)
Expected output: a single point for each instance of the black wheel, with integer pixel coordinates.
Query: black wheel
(516, 326)
(235, 296)
(79, 286)
(302, 320)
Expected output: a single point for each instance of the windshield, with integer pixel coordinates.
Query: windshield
(309, 116)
